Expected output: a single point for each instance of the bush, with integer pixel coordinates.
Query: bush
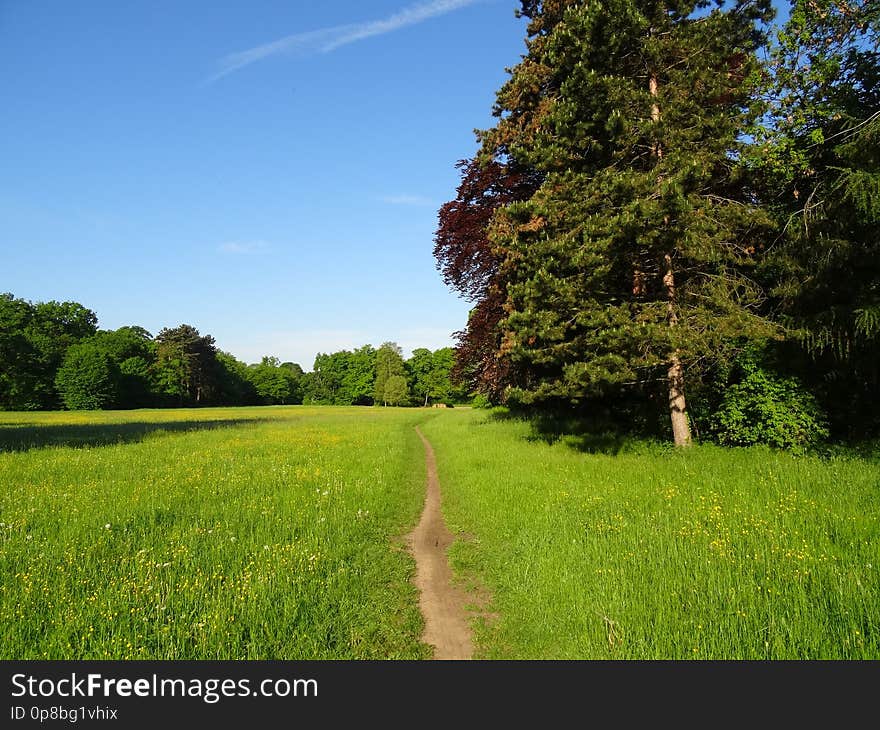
(764, 408)
(480, 401)
(87, 379)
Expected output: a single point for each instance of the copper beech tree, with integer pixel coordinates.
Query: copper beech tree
(470, 265)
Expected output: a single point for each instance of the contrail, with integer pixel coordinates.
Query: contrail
(329, 39)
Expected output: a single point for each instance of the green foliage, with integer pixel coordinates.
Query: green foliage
(638, 248)
(357, 381)
(186, 368)
(135, 383)
(389, 364)
(817, 159)
(133, 354)
(765, 408)
(419, 368)
(33, 341)
(275, 384)
(343, 378)
(481, 401)
(233, 385)
(396, 391)
(17, 355)
(88, 378)
(430, 375)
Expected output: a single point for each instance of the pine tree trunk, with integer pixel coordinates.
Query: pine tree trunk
(681, 430)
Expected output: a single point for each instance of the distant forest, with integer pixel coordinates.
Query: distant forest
(52, 355)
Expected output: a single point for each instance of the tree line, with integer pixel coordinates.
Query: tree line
(672, 226)
(52, 355)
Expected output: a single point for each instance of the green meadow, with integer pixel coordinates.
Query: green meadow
(239, 533)
(638, 551)
(277, 532)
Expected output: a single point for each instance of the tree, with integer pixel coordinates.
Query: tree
(88, 378)
(470, 265)
(389, 364)
(33, 340)
(125, 342)
(440, 383)
(297, 378)
(819, 153)
(359, 376)
(274, 384)
(396, 391)
(343, 378)
(325, 380)
(18, 356)
(133, 353)
(186, 365)
(233, 385)
(419, 367)
(630, 265)
(429, 373)
(136, 385)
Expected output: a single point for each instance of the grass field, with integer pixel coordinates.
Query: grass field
(275, 533)
(209, 534)
(652, 554)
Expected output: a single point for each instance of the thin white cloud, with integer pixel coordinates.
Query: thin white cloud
(418, 200)
(242, 247)
(325, 40)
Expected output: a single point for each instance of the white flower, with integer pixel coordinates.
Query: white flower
(107, 526)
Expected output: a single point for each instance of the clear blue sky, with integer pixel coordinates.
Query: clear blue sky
(266, 171)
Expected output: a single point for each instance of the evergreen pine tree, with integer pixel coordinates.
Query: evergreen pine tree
(630, 264)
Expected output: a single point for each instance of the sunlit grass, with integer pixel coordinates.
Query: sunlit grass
(209, 534)
(657, 554)
(274, 533)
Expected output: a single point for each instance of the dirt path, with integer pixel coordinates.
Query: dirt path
(442, 604)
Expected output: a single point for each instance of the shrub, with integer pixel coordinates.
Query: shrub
(87, 379)
(765, 408)
(480, 401)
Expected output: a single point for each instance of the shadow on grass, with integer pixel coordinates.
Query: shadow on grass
(596, 435)
(25, 438)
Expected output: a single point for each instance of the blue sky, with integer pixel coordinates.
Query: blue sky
(268, 171)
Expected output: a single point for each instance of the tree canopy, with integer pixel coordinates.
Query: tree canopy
(52, 355)
(668, 187)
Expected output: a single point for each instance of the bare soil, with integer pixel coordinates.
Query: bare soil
(443, 604)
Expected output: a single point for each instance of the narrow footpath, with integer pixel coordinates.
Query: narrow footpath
(443, 605)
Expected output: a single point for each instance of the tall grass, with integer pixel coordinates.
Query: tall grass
(209, 534)
(651, 553)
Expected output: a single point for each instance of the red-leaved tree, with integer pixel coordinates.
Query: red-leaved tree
(469, 265)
